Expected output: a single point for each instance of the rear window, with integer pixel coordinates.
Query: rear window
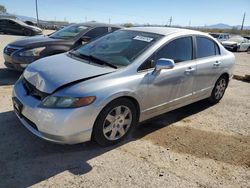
(97, 32)
(206, 47)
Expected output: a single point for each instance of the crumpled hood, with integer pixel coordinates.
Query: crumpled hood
(50, 73)
(35, 41)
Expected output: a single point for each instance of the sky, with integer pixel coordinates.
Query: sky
(183, 12)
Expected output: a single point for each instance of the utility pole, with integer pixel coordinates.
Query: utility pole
(243, 20)
(37, 19)
(109, 20)
(170, 21)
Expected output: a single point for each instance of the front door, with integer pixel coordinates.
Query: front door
(171, 87)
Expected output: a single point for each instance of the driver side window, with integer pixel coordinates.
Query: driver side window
(179, 50)
(13, 25)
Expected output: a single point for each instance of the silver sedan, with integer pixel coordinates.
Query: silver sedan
(103, 89)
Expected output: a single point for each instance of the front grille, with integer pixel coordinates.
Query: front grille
(33, 91)
(10, 50)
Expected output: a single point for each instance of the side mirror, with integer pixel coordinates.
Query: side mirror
(85, 39)
(164, 64)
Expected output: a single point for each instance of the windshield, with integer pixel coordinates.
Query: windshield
(214, 35)
(69, 32)
(119, 48)
(21, 22)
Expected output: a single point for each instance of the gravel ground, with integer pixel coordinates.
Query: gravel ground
(195, 146)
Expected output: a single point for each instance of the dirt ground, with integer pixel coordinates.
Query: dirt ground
(242, 63)
(195, 146)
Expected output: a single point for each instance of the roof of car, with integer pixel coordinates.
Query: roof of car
(13, 19)
(164, 30)
(98, 24)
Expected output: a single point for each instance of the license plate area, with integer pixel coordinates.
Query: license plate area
(18, 106)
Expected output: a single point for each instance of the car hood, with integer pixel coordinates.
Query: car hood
(34, 28)
(35, 41)
(50, 73)
(229, 42)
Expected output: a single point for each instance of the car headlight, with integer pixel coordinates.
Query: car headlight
(66, 102)
(32, 52)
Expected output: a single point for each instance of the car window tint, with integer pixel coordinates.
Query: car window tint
(97, 32)
(178, 50)
(12, 23)
(206, 47)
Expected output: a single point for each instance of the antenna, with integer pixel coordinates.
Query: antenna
(243, 20)
(170, 21)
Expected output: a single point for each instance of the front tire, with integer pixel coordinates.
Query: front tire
(27, 33)
(115, 122)
(218, 90)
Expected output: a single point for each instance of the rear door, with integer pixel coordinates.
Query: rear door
(208, 65)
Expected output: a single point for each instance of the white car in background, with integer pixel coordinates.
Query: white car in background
(220, 36)
(237, 44)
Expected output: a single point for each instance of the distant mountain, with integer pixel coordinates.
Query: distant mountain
(26, 18)
(224, 26)
(23, 18)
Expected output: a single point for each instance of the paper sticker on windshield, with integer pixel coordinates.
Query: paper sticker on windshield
(142, 38)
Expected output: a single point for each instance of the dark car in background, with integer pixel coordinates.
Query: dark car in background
(17, 27)
(20, 53)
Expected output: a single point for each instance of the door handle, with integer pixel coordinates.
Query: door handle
(217, 63)
(189, 70)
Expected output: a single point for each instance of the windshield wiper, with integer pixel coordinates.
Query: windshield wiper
(93, 58)
(96, 59)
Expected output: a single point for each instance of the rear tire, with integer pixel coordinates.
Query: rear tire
(218, 90)
(115, 122)
(248, 50)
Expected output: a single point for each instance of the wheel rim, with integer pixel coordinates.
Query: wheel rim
(220, 88)
(117, 123)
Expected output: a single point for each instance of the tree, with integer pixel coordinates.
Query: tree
(2, 9)
(128, 25)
